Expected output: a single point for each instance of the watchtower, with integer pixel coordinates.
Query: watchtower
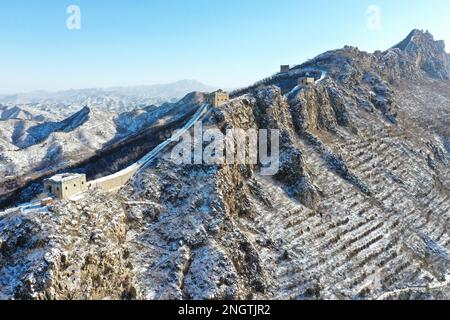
(284, 68)
(218, 98)
(306, 81)
(66, 185)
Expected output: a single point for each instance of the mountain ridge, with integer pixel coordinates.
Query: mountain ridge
(117, 99)
(429, 55)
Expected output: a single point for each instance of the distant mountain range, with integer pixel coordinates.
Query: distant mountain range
(117, 99)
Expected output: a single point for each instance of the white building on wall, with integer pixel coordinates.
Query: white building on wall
(66, 185)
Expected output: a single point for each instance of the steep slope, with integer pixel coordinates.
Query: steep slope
(14, 112)
(41, 132)
(429, 55)
(359, 209)
(342, 242)
(138, 120)
(30, 146)
(38, 260)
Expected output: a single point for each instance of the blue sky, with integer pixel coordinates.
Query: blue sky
(227, 43)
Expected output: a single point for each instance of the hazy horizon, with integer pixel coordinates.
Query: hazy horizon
(218, 43)
(108, 88)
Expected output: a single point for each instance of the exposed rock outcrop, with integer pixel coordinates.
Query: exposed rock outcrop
(427, 54)
(75, 250)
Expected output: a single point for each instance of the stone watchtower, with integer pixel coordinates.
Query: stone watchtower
(66, 185)
(218, 98)
(284, 68)
(306, 81)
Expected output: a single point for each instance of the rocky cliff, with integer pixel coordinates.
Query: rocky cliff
(427, 54)
(72, 251)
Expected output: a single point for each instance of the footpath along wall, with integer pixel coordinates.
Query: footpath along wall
(114, 181)
(117, 180)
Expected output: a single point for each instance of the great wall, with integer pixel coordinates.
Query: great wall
(117, 180)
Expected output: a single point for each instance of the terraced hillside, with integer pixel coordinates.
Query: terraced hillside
(356, 245)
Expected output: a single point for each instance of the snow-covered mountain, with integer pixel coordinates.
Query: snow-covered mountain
(23, 113)
(360, 208)
(429, 55)
(31, 149)
(28, 146)
(118, 99)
